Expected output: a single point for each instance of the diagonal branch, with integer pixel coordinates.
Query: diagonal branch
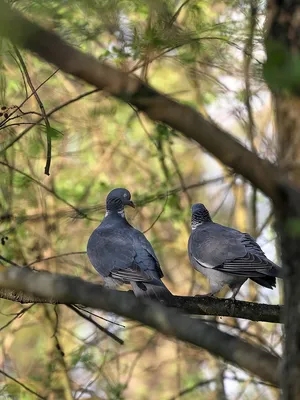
(22, 384)
(101, 328)
(129, 88)
(71, 290)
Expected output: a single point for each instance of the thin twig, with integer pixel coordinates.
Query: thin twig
(192, 388)
(157, 218)
(27, 98)
(98, 316)
(57, 256)
(101, 328)
(174, 17)
(18, 315)
(9, 261)
(22, 384)
(33, 124)
(42, 108)
(44, 187)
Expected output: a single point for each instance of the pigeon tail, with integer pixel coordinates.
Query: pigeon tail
(266, 281)
(154, 290)
(277, 271)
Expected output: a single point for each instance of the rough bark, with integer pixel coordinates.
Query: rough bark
(190, 305)
(70, 290)
(283, 51)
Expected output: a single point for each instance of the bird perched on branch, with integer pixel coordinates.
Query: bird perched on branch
(122, 254)
(226, 256)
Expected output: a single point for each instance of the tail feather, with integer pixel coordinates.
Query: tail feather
(154, 290)
(266, 281)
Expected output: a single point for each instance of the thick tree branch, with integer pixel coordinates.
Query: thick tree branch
(188, 304)
(70, 290)
(129, 88)
(229, 308)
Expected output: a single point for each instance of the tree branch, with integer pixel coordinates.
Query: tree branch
(171, 322)
(129, 88)
(188, 304)
(229, 308)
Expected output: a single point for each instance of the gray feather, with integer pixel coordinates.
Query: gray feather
(227, 256)
(122, 254)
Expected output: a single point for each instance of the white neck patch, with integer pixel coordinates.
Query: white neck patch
(195, 225)
(122, 213)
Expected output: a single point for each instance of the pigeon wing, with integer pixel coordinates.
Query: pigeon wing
(145, 256)
(110, 251)
(230, 251)
(211, 246)
(254, 263)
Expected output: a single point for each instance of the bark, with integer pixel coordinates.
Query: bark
(188, 304)
(284, 37)
(70, 290)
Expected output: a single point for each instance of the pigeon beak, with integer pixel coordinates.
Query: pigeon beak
(130, 203)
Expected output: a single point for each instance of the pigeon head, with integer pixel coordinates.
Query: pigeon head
(117, 199)
(200, 215)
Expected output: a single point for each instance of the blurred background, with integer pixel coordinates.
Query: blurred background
(206, 54)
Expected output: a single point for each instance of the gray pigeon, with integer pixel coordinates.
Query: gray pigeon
(226, 256)
(122, 254)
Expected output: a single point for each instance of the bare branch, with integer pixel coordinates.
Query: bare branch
(71, 290)
(189, 304)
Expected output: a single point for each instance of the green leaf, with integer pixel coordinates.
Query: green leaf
(55, 134)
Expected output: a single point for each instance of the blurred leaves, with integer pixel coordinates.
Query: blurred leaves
(282, 68)
(190, 50)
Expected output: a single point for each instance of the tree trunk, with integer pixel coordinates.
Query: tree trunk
(283, 46)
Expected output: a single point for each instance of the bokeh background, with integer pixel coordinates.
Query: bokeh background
(207, 54)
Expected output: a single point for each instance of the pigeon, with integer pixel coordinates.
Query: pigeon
(227, 256)
(122, 254)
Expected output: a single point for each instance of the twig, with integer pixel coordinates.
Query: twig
(101, 328)
(18, 315)
(44, 187)
(174, 17)
(98, 316)
(158, 216)
(27, 98)
(9, 261)
(33, 124)
(42, 108)
(192, 388)
(57, 256)
(22, 384)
